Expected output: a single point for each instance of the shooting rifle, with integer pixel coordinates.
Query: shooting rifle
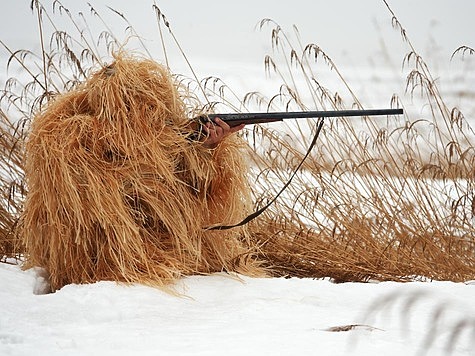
(237, 119)
(260, 118)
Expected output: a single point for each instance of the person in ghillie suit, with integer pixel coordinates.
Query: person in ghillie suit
(119, 189)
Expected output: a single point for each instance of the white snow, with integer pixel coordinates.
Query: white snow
(234, 315)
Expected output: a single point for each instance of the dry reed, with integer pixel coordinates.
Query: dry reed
(12, 186)
(378, 199)
(386, 200)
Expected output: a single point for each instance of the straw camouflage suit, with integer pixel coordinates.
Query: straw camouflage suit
(119, 191)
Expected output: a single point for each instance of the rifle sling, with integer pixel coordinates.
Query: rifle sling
(258, 212)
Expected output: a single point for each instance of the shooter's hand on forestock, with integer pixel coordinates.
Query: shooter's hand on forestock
(217, 131)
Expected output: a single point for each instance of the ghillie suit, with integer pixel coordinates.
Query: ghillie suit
(118, 189)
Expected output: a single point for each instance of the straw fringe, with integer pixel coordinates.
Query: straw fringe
(119, 191)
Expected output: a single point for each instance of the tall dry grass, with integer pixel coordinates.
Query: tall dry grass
(378, 199)
(386, 199)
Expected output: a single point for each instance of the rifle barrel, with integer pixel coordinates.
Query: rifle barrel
(235, 119)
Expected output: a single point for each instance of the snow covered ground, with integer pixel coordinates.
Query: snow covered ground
(231, 315)
(227, 315)
(234, 315)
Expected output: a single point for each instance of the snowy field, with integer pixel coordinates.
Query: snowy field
(234, 315)
(230, 315)
(226, 315)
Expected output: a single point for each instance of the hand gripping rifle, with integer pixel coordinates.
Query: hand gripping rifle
(260, 118)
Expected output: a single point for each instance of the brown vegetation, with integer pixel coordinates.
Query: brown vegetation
(119, 190)
(386, 200)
